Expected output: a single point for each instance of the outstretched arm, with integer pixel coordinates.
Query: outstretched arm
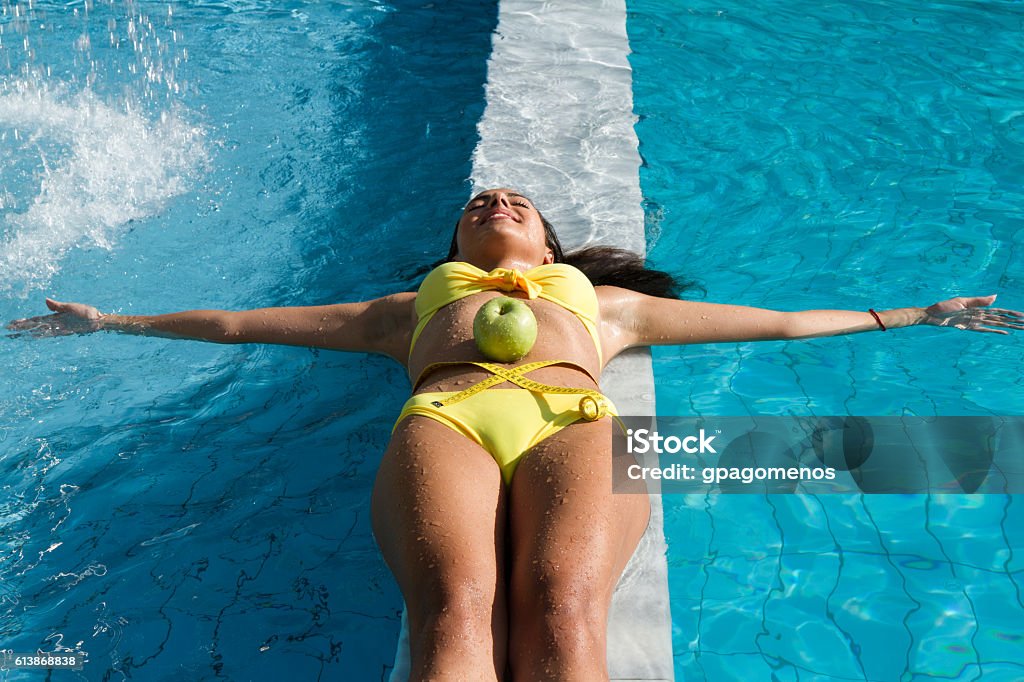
(382, 325)
(633, 319)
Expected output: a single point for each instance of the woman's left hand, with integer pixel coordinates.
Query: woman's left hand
(972, 314)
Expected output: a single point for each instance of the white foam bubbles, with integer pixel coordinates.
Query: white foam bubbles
(96, 167)
(90, 139)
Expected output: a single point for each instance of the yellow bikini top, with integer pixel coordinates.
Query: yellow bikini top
(559, 283)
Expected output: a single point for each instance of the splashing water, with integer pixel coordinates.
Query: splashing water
(90, 139)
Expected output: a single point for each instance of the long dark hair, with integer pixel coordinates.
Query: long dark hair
(608, 265)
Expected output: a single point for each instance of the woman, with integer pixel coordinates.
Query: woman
(493, 507)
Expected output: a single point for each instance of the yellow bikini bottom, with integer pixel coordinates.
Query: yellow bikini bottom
(508, 422)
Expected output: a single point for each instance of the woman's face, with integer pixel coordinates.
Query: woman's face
(502, 223)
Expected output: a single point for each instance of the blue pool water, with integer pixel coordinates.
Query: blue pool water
(846, 155)
(187, 511)
(182, 510)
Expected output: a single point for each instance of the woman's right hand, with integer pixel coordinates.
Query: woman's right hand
(68, 318)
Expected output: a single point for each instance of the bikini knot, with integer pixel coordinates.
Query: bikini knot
(508, 279)
(592, 409)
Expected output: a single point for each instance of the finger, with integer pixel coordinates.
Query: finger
(1005, 312)
(987, 329)
(26, 323)
(32, 329)
(990, 316)
(53, 305)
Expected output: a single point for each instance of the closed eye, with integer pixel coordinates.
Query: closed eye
(482, 201)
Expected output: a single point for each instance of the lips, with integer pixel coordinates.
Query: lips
(499, 215)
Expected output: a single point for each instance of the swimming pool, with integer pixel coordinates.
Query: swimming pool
(210, 519)
(847, 155)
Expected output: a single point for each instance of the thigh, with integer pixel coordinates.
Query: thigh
(569, 532)
(438, 515)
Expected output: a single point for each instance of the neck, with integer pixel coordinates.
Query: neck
(508, 262)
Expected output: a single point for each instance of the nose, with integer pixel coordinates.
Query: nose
(499, 199)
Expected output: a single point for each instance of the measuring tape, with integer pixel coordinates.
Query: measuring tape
(593, 405)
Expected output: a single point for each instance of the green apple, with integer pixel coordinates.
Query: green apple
(505, 329)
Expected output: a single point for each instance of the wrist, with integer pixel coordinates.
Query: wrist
(914, 316)
(902, 317)
(112, 322)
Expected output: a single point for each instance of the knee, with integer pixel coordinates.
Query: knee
(558, 631)
(453, 633)
(465, 610)
(565, 613)
(573, 623)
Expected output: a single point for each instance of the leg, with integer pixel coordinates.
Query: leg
(570, 541)
(438, 513)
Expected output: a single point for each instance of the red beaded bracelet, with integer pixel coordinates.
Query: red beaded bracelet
(877, 318)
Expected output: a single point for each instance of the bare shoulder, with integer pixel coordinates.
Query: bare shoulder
(611, 296)
(390, 321)
(617, 329)
(615, 301)
(404, 301)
